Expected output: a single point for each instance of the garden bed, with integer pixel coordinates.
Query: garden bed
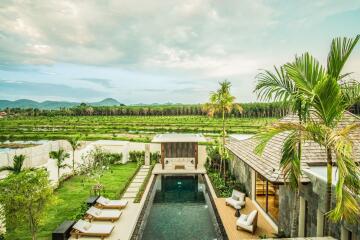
(72, 194)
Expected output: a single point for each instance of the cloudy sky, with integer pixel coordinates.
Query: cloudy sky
(159, 51)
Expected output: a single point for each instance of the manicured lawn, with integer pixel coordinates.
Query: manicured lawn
(73, 193)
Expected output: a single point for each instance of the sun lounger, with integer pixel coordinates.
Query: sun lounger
(84, 228)
(105, 203)
(103, 214)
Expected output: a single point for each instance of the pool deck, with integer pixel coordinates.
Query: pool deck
(227, 215)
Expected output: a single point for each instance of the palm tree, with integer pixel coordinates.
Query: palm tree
(328, 95)
(75, 144)
(18, 162)
(60, 157)
(278, 87)
(222, 102)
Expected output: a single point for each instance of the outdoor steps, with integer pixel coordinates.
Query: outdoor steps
(136, 183)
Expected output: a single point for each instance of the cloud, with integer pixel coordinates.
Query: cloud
(22, 88)
(99, 81)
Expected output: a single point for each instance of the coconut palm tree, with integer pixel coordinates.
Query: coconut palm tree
(329, 95)
(18, 162)
(60, 157)
(222, 102)
(75, 144)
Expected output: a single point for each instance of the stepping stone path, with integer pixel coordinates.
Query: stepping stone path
(136, 183)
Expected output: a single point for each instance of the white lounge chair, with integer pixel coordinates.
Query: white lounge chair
(247, 222)
(237, 200)
(103, 202)
(84, 228)
(103, 214)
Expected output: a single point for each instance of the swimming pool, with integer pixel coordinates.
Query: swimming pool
(179, 207)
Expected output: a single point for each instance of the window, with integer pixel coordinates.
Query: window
(267, 196)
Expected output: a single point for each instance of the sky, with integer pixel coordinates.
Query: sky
(162, 50)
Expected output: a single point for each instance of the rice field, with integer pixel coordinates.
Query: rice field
(135, 128)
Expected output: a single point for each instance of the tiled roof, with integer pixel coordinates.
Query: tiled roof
(268, 164)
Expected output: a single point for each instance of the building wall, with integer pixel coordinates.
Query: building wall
(314, 194)
(242, 173)
(286, 201)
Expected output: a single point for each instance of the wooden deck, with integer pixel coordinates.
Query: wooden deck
(227, 215)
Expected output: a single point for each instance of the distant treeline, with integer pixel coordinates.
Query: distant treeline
(249, 110)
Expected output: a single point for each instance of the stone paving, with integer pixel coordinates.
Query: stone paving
(135, 185)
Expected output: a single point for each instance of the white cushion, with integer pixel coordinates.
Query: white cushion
(251, 217)
(236, 198)
(87, 226)
(79, 225)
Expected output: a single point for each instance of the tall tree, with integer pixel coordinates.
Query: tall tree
(222, 102)
(75, 144)
(328, 95)
(60, 157)
(331, 95)
(27, 195)
(18, 162)
(277, 86)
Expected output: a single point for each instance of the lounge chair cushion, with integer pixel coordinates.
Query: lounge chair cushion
(80, 225)
(237, 199)
(251, 217)
(107, 202)
(104, 213)
(86, 227)
(243, 217)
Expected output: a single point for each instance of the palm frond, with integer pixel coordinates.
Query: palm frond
(340, 51)
(274, 86)
(270, 131)
(306, 72)
(290, 159)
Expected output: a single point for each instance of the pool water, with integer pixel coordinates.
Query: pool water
(180, 210)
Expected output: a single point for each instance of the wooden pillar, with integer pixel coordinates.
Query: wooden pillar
(196, 154)
(162, 155)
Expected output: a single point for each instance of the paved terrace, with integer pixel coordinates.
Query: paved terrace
(227, 215)
(127, 222)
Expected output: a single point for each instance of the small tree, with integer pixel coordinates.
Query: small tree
(75, 144)
(24, 197)
(60, 157)
(18, 162)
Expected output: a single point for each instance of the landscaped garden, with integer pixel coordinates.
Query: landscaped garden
(72, 193)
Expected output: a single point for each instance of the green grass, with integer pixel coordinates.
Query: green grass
(135, 128)
(73, 193)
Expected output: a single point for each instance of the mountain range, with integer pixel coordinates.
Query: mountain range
(26, 103)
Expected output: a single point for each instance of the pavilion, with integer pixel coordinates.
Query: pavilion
(179, 151)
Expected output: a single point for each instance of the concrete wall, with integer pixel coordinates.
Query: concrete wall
(242, 173)
(286, 201)
(314, 193)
